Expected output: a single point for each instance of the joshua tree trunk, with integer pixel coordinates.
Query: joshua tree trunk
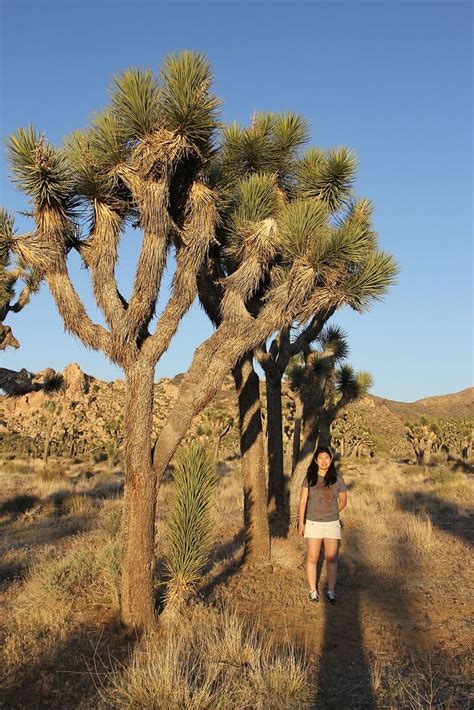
(310, 439)
(324, 431)
(257, 536)
(297, 434)
(137, 593)
(275, 443)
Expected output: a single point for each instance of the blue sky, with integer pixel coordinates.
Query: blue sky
(392, 80)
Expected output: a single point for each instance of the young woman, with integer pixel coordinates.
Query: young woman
(323, 496)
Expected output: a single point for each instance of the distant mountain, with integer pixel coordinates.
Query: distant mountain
(88, 407)
(459, 405)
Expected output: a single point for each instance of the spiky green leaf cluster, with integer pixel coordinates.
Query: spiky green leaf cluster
(40, 170)
(353, 385)
(369, 280)
(7, 222)
(303, 229)
(270, 144)
(328, 176)
(93, 155)
(257, 199)
(189, 529)
(186, 105)
(333, 341)
(135, 98)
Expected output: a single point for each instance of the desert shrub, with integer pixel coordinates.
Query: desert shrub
(211, 660)
(54, 472)
(12, 467)
(77, 505)
(88, 571)
(47, 509)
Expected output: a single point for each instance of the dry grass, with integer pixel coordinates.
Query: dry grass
(80, 505)
(53, 472)
(285, 554)
(418, 532)
(58, 592)
(400, 523)
(211, 660)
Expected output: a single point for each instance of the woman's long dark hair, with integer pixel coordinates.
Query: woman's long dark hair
(312, 472)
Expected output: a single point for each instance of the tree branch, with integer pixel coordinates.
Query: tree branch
(155, 220)
(100, 253)
(74, 314)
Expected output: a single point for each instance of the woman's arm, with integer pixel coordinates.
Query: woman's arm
(342, 500)
(302, 509)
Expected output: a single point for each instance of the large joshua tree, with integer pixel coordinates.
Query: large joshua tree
(257, 164)
(288, 259)
(262, 236)
(140, 162)
(329, 178)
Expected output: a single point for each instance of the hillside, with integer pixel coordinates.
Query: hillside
(88, 414)
(459, 405)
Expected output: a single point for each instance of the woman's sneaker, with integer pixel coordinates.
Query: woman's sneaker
(331, 597)
(314, 596)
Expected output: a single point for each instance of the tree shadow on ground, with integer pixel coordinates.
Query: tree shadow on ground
(17, 505)
(11, 572)
(68, 676)
(446, 516)
(460, 465)
(279, 521)
(345, 675)
(219, 554)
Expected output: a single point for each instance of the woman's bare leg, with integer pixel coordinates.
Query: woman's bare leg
(331, 548)
(314, 547)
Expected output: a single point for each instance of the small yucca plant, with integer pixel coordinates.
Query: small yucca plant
(190, 523)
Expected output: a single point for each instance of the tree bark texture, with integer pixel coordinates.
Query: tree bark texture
(324, 431)
(297, 434)
(257, 535)
(137, 589)
(276, 483)
(310, 434)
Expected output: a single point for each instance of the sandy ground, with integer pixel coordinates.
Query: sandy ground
(404, 611)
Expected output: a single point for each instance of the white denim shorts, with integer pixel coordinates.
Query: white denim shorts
(319, 531)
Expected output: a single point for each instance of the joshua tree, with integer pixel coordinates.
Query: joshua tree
(278, 197)
(49, 419)
(349, 436)
(431, 435)
(16, 384)
(325, 390)
(336, 171)
(141, 162)
(151, 160)
(422, 435)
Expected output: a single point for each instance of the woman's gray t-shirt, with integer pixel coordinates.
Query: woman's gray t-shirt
(322, 500)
